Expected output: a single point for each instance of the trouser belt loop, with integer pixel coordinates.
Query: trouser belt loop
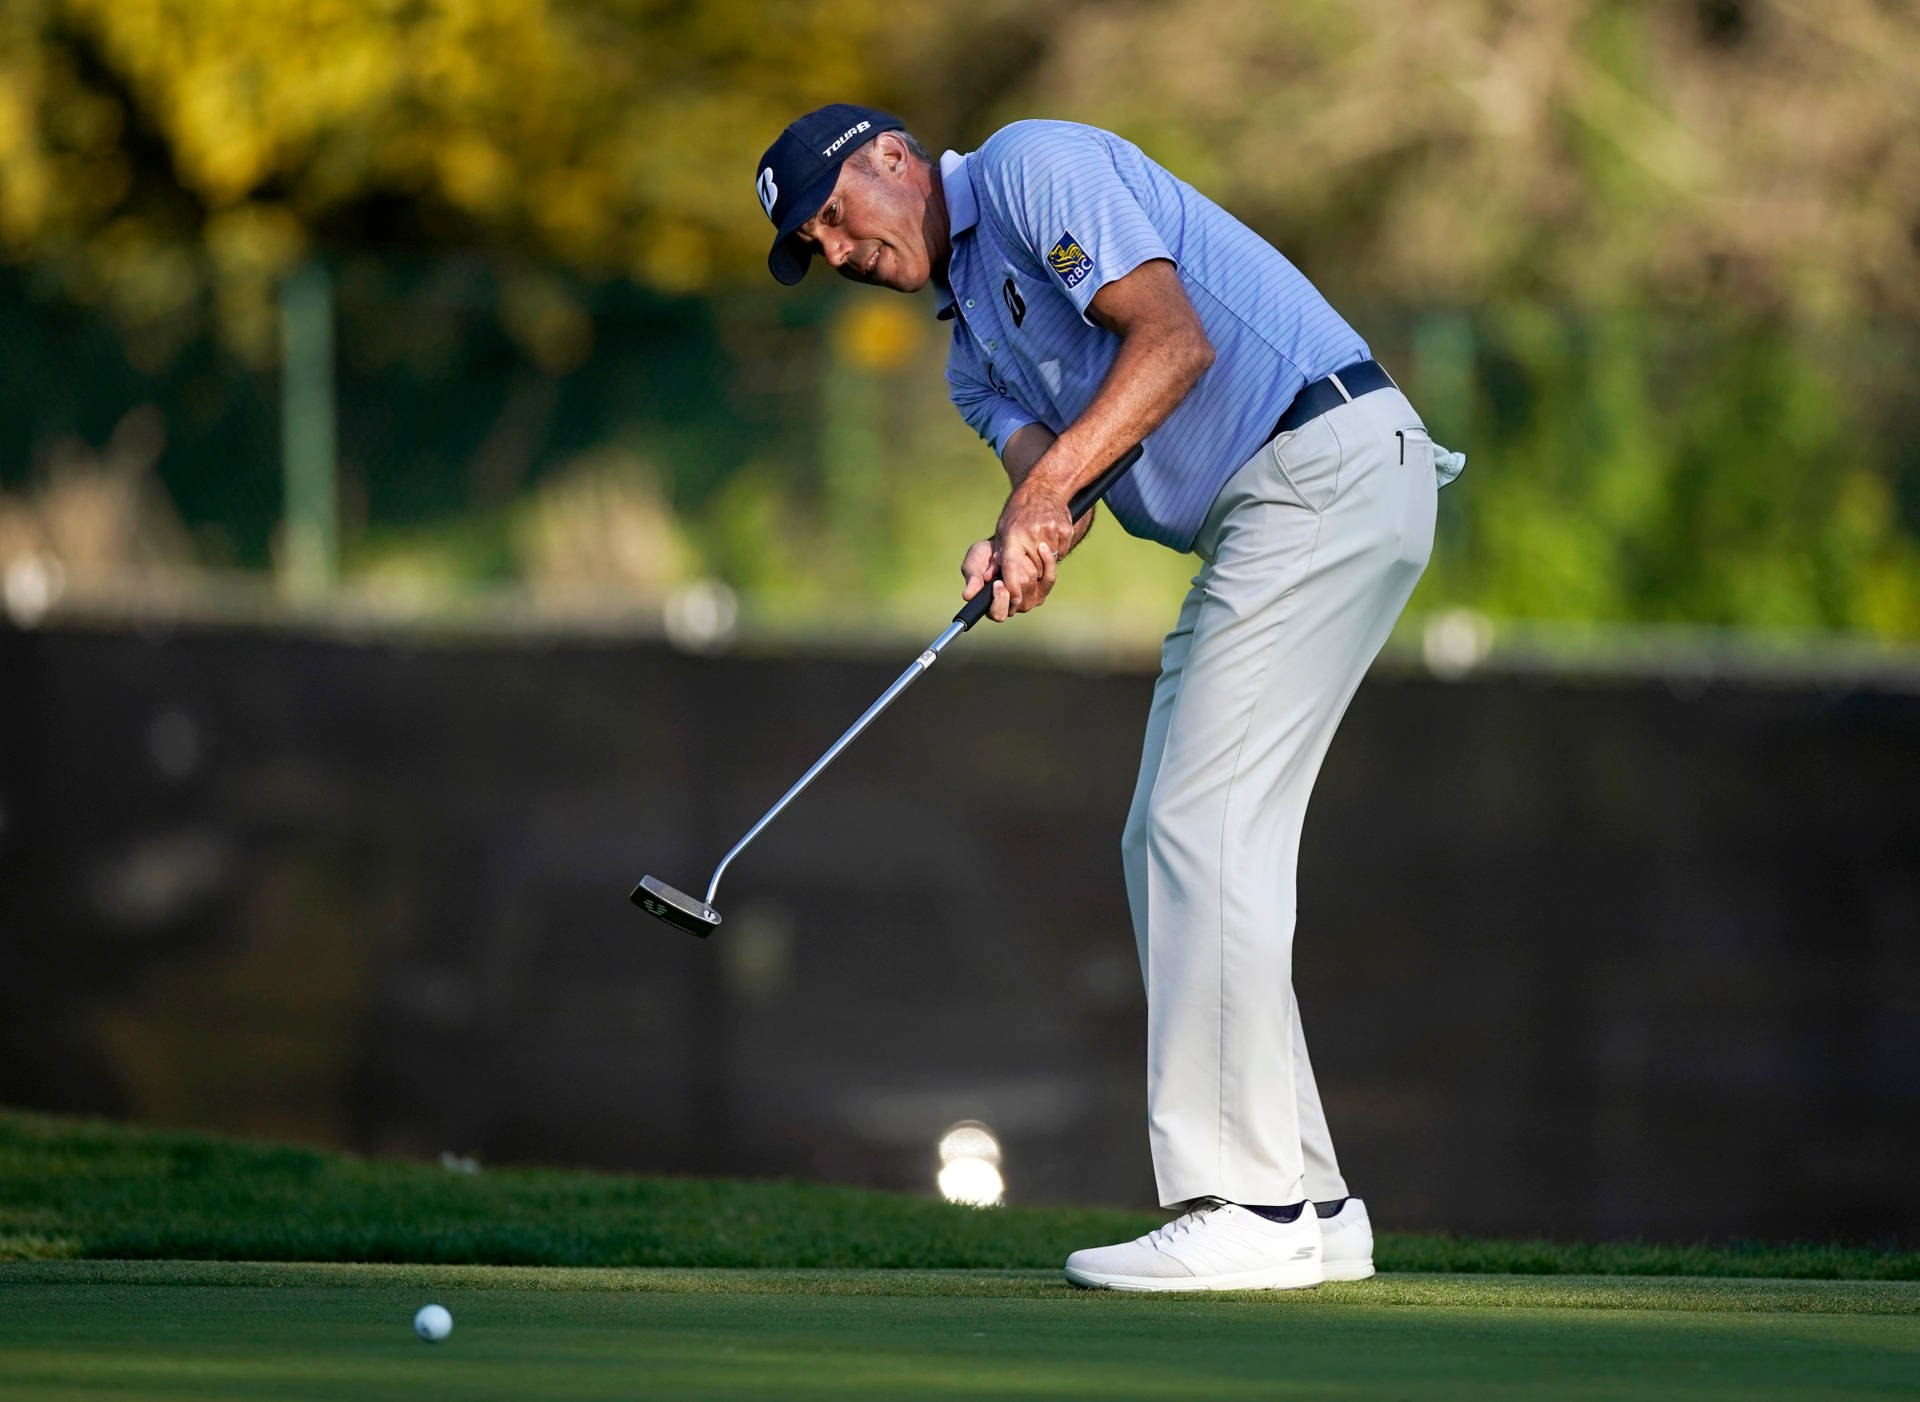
(1344, 386)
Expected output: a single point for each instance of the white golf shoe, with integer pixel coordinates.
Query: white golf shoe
(1346, 1239)
(1214, 1246)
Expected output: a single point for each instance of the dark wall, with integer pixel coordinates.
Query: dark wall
(1575, 958)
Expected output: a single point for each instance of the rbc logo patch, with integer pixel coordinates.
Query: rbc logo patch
(1069, 260)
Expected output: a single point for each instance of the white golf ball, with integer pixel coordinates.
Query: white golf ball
(433, 1323)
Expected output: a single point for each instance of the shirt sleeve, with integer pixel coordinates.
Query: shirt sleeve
(995, 416)
(1058, 191)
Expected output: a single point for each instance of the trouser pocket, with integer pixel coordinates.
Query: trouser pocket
(1415, 443)
(1419, 485)
(1309, 460)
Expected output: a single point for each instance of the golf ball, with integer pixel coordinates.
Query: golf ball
(433, 1323)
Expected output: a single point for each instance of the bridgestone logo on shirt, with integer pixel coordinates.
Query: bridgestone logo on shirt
(842, 141)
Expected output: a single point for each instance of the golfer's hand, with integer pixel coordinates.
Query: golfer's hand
(979, 566)
(1034, 532)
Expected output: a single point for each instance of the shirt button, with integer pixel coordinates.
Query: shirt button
(969, 301)
(993, 345)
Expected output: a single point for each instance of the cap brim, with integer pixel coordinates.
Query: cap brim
(789, 258)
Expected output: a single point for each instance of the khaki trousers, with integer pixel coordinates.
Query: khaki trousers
(1311, 550)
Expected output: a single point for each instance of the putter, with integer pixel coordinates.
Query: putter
(698, 917)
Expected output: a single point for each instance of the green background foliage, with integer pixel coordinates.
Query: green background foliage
(1655, 267)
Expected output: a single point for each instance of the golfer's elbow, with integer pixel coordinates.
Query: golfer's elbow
(1192, 355)
(1200, 355)
(1171, 356)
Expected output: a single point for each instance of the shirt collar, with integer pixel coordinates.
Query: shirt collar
(963, 212)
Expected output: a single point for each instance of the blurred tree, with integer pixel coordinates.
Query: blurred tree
(1642, 249)
(168, 157)
(1676, 234)
(1591, 151)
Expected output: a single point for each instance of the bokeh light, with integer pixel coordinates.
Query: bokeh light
(974, 1182)
(970, 1165)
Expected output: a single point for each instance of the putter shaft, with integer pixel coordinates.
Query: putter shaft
(906, 679)
(970, 613)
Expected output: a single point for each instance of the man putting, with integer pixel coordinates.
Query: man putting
(1097, 301)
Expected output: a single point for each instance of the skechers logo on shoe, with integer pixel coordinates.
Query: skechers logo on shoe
(1303, 1254)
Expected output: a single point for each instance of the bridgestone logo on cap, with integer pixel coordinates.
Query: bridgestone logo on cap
(842, 141)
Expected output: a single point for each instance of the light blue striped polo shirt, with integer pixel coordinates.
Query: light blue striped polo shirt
(1045, 214)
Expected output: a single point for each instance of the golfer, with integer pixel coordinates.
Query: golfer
(1098, 301)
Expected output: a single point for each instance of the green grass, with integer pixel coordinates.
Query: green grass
(71, 1330)
(86, 1190)
(1689, 1293)
(125, 1274)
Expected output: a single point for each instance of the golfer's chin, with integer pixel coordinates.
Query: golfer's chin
(894, 273)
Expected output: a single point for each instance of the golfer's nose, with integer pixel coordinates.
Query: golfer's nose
(835, 247)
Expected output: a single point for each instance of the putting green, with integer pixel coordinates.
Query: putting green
(220, 1331)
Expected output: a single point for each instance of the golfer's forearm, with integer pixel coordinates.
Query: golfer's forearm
(1025, 447)
(1154, 369)
(1024, 450)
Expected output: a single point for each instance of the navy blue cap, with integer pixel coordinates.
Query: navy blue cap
(799, 170)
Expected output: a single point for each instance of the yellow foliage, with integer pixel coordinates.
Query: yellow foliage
(615, 136)
(879, 334)
(675, 256)
(1447, 151)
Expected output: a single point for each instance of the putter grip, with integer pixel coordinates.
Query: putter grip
(975, 609)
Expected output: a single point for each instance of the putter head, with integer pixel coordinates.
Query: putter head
(677, 908)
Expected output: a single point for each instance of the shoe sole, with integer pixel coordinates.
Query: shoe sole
(1349, 1270)
(1276, 1278)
